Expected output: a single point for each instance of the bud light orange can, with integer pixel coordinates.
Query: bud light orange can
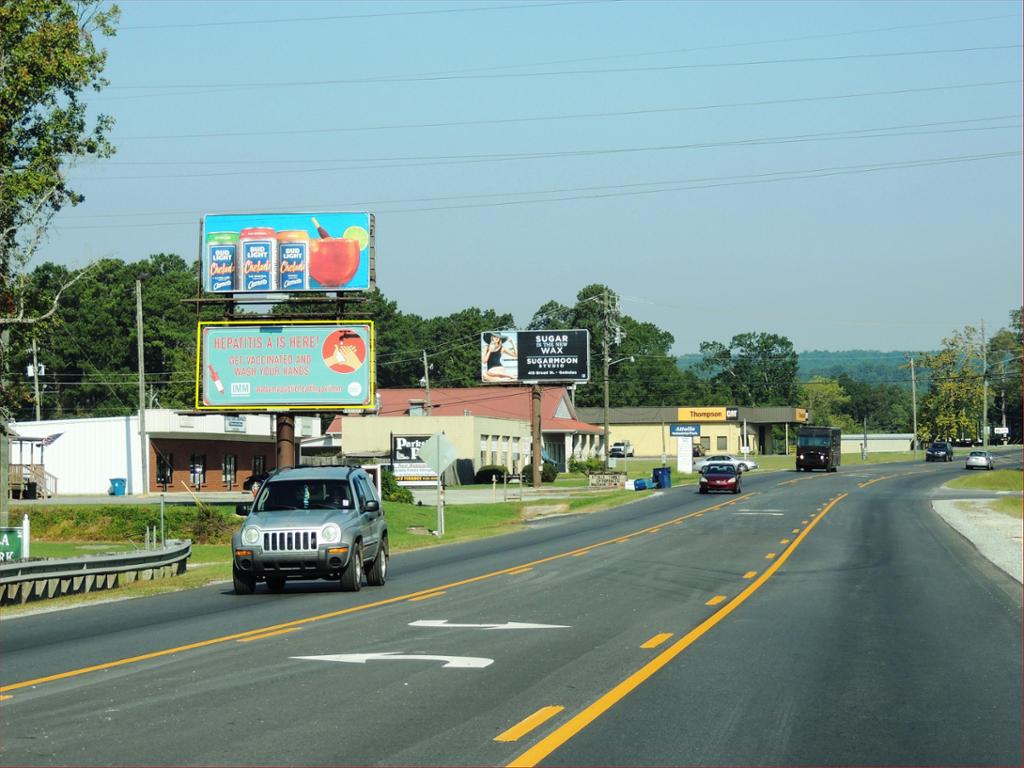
(222, 256)
(258, 259)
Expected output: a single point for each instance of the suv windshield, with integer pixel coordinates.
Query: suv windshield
(304, 494)
(939, 446)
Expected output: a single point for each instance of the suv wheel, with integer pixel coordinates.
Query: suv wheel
(378, 572)
(245, 583)
(352, 576)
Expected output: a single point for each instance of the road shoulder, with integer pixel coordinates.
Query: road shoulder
(998, 537)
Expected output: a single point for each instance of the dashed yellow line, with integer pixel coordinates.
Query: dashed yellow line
(716, 600)
(602, 704)
(657, 640)
(522, 728)
(769, 556)
(749, 574)
(783, 541)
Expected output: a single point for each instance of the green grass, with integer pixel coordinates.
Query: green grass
(1009, 505)
(996, 480)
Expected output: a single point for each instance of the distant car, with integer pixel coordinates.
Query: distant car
(979, 460)
(720, 477)
(722, 458)
(939, 451)
(620, 450)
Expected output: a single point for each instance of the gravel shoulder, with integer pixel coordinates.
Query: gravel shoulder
(998, 537)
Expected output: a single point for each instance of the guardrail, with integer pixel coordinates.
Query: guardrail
(25, 580)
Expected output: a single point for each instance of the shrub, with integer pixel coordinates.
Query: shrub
(210, 525)
(392, 491)
(548, 472)
(488, 472)
(586, 466)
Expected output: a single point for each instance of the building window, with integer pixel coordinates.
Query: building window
(259, 465)
(164, 469)
(705, 443)
(230, 468)
(197, 469)
(722, 443)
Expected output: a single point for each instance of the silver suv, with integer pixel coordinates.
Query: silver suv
(311, 523)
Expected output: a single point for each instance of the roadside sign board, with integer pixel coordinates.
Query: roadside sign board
(438, 453)
(684, 454)
(244, 366)
(287, 252)
(1001, 430)
(407, 461)
(508, 357)
(11, 546)
(679, 430)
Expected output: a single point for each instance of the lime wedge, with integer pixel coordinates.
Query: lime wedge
(356, 232)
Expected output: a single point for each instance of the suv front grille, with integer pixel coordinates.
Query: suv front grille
(289, 541)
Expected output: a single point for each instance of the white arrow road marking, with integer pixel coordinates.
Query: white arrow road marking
(454, 662)
(507, 625)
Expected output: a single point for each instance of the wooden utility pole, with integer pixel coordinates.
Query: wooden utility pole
(285, 440)
(144, 452)
(35, 380)
(913, 401)
(537, 435)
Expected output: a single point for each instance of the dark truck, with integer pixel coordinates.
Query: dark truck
(818, 448)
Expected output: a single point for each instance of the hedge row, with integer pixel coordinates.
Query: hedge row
(209, 524)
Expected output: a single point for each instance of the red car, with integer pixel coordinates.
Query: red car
(719, 477)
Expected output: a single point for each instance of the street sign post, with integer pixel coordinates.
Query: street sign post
(438, 453)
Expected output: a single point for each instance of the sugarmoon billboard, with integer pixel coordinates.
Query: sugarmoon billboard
(534, 356)
(247, 366)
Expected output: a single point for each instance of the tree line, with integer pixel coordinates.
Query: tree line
(88, 349)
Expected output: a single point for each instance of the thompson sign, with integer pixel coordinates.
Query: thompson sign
(245, 366)
(534, 356)
(287, 252)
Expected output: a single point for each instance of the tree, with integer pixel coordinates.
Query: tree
(826, 400)
(48, 57)
(756, 369)
(952, 407)
(1004, 373)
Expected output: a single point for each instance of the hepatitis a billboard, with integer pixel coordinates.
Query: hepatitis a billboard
(287, 252)
(248, 366)
(534, 356)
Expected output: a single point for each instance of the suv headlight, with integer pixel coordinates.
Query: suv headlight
(330, 534)
(251, 536)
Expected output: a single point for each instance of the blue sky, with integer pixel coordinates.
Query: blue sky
(847, 175)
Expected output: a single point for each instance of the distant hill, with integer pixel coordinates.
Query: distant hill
(864, 365)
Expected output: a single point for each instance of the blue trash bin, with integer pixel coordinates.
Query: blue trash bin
(117, 486)
(663, 477)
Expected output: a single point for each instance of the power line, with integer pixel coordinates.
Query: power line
(620, 191)
(433, 160)
(574, 116)
(421, 78)
(351, 17)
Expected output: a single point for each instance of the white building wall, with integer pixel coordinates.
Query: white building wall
(88, 453)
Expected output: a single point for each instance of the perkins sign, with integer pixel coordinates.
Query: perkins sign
(534, 356)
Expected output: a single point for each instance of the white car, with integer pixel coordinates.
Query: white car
(721, 458)
(979, 460)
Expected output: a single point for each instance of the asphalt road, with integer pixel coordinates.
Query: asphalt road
(816, 619)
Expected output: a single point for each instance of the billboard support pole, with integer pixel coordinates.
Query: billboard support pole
(536, 432)
(285, 440)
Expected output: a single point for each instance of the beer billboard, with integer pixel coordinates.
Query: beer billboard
(287, 252)
(508, 357)
(248, 366)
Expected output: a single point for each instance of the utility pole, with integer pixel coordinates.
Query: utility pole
(426, 379)
(913, 401)
(536, 431)
(144, 453)
(607, 367)
(35, 377)
(984, 388)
